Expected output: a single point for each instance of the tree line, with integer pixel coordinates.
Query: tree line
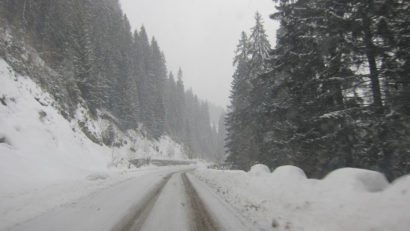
(333, 92)
(104, 65)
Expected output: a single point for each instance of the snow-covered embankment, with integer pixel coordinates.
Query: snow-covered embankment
(346, 199)
(46, 160)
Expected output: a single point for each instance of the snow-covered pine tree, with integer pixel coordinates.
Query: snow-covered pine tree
(159, 76)
(180, 105)
(260, 49)
(329, 55)
(239, 102)
(243, 131)
(84, 58)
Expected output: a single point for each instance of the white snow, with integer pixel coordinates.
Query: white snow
(171, 210)
(259, 170)
(107, 207)
(42, 146)
(290, 172)
(225, 217)
(352, 179)
(46, 160)
(346, 199)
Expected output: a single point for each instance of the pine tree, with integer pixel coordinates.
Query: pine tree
(243, 130)
(328, 65)
(159, 76)
(239, 103)
(259, 48)
(180, 105)
(84, 58)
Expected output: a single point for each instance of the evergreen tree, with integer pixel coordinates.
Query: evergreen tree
(320, 105)
(239, 103)
(243, 139)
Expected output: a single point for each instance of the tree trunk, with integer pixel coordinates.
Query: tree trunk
(371, 59)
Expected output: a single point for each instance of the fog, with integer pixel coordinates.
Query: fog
(200, 37)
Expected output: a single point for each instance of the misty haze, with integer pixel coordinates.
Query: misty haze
(126, 115)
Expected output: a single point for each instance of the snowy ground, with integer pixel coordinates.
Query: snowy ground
(21, 207)
(150, 200)
(347, 199)
(106, 205)
(179, 198)
(47, 161)
(34, 136)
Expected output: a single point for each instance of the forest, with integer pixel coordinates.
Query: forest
(98, 61)
(333, 92)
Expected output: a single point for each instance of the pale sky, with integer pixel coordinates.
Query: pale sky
(200, 36)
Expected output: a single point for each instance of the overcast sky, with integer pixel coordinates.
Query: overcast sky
(200, 36)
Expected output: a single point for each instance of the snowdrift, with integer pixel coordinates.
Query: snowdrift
(346, 199)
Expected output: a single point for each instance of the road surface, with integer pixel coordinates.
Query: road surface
(172, 200)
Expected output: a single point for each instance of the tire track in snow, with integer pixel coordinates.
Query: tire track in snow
(222, 215)
(136, 219)
(201, 221)
(199, 218)
(181, 198)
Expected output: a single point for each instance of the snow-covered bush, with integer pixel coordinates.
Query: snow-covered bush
(400, 187)
(288, 172)
(356, 180)
(347, 199)
(259, 170)
(108, 135)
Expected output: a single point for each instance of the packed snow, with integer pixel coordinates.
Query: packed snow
(346, 199)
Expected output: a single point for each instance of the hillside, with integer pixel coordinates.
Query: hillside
(85, 55)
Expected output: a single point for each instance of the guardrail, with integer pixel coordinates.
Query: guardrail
(146, 161)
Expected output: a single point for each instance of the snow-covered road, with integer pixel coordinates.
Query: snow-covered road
(195, 198)
(161, 200)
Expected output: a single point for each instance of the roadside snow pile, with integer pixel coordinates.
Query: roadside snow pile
(289, 172)
(259, 170)
(346, 199)
(356, 180)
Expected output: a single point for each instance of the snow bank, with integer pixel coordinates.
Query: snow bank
(346, 199)
(354, 179)
(400, 186)
(288, 172)
(259, 170)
